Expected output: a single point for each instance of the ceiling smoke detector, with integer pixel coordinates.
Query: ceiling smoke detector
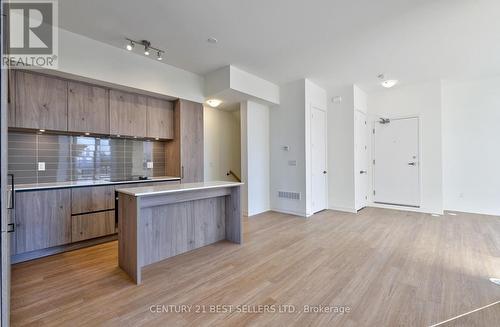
(212, 40)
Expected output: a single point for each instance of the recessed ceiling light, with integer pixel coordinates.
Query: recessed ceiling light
(87, 134)
(42, 130)
(389, 83)
(212, 40)
(214, 103)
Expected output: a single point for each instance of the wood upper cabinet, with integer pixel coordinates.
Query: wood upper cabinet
(160, 119)
(43, 219)
(185, 152)
(41, 102)
(127, 114)
(88, 108)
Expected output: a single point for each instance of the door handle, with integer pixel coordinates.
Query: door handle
(324, 172)
(363, 172)
(12, 226)
(412, 164)
(12, 193)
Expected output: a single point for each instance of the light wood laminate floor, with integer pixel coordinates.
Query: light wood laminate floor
(391, 268)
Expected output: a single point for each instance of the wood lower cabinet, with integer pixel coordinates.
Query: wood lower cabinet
(43, 219)
(88, 226)
(41, 102)
(88, 108)
(185, 152)
(160, 119)
(91, 199)
(127, 114)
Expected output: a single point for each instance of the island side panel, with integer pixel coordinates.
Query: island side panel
(128, 237)
(209, 221)
(234, 223)
(166, 231)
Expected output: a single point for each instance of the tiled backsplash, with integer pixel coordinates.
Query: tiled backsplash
(74, 158)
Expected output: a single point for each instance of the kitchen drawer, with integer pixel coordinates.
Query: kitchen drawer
(91, 199)
(84, 227)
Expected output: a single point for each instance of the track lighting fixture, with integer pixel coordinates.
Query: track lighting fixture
(130, 46)
(147, 48)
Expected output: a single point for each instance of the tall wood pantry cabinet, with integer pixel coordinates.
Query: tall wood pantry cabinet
(185, 152)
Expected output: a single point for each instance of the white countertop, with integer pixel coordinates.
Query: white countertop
(45, 186)
(165, 189)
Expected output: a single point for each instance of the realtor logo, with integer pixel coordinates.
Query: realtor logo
(31, 34)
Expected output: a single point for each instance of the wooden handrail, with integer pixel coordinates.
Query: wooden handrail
(234, 175)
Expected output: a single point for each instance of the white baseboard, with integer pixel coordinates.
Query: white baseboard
(467, 211)
(343, 209)
(290, 212)
(403, 208)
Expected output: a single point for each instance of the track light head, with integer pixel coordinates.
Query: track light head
(159, 58)
(130, 46)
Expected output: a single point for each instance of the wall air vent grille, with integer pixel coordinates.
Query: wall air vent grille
(289, 195)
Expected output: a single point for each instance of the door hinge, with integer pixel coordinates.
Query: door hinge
(373, 161)
(374, 193)
(373, 131)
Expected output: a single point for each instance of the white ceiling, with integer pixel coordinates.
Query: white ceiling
(330, 41)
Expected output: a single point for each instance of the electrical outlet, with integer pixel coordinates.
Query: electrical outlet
(149, 165)
(41, 166)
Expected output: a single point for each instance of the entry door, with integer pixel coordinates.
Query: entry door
(397, 166)
(318, 159)
(361, 160)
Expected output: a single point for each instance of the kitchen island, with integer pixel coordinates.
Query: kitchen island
(159, 222)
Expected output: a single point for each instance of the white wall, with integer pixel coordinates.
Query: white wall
(85, 57)
(423, 100)
(288, 129)
(471, 153)
(255, 160)
(341, 150)
(222, 143)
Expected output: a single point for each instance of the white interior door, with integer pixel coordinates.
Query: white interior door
(361, 160)
(397, 166)
(318, 159)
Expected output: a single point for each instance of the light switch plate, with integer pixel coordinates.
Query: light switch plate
(149, 165)
(292, 162)
(41, 166)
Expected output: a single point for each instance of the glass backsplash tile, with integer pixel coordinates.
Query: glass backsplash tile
(73, 158)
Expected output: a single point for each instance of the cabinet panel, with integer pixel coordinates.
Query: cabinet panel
(160, 119)
(84, 227)
(191, 136)
(11, 103)
(43, 219)
(41, 102)
(90, 199)
(88, 108)
(127, 113)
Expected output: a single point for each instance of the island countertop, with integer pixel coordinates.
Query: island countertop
(166, 189)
